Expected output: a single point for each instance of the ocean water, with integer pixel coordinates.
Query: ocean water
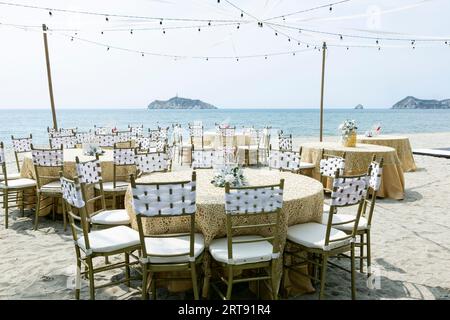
(299, 122)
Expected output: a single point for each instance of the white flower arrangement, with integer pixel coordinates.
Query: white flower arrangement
(348, 127)
(92, 149)
(232, 174)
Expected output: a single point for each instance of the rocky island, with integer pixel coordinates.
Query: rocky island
(414, 103)
(180, 103)
(359, 107)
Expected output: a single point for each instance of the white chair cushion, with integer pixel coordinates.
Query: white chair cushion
(111, 217)
(173, 245)
(339, 218)
(109, 186)
(54, 186)
(19, 184)
(306, 165)
(111, 239)
(11, 176)
(312, 235)
(326, 208)
(242, 252)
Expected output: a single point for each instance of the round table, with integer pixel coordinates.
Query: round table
(302, 202)
(106, 162)
(357, 161)
(399, 143)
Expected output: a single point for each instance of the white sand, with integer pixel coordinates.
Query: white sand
(410, 240)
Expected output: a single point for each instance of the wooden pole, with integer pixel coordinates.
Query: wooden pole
(49, 77)
(324, 51)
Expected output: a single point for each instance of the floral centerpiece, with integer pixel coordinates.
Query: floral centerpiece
(348, 133)
(92, 149)
(232, 174)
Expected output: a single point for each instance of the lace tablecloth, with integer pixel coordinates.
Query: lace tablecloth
(357, 161)
(400, 144)
(303, 202)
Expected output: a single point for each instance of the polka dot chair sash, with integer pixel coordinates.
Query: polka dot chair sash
(152, 162)
(71, 193)
(47, 158)
(89, 172)
(375, 176)
(329, 167)
(349, 190)
(203, 159)
(22, 145)
(164, 199)
(257, 200)
(124, 156)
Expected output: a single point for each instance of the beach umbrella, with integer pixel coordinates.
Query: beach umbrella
(49, 77)
(324, 50)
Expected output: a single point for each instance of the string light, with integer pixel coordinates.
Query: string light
(107, 19)
(50, 13)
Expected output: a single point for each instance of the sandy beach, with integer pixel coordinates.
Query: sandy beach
(410, 240)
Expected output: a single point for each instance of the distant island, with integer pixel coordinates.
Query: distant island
(414, 103)
(180, 103)
(359, 107)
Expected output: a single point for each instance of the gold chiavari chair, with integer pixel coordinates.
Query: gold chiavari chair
(344, 221)
(12, 191)
(123, 161)
(167, 252)
(47, 163)
(90, 244)
(202, 158)
(320, 242)
(250, 252)
(329, 164)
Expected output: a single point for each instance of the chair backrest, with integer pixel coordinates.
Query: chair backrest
(331, 165)
(73, 195)
(124, 136)
(273, 159)
(106, 140)
(154, 135)
(285, 142)
(90, 173)
(143, 143)
(227, 135)
(196, 134)
(152, 162)
(289, 161)
(202, 159)
(165, 200)
(102, 130)
(44, 160)
(67, 142)
(20, 146)
(347, 191)
(163, 132)
(122, 157)
(136, 130)
(249, 202)
(375, 174)
(85, 137)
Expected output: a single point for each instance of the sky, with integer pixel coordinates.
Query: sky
(86, 75)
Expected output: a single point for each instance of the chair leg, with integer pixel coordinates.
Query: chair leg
(63, 208)
(5, 205)
(127, 269)
(114, 201)
(353, 273)
(369, 262)
(323, 273)
(194, 280)
(229, 282)
(274, 279)
(54, 207)
(153, 286)
(361, 253)
(78, 275)
(38, 209)
(91, 278)
(144, 282)
(22, 203)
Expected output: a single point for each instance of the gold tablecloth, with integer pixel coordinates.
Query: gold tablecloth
(400, 144)
(69, 171)
(357, 161)
(303, 202)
